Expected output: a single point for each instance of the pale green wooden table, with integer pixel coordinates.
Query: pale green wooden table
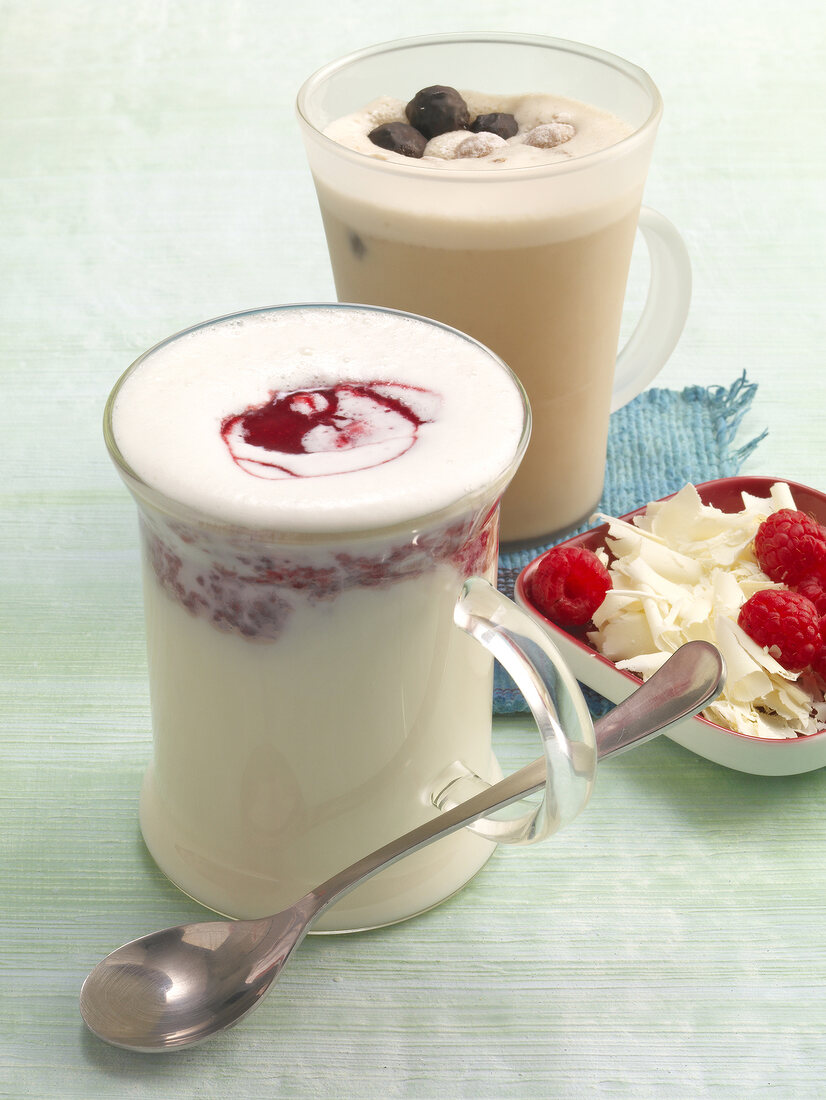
(671, 942)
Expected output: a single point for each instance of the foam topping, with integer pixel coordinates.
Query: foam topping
(549, 128)
(318, 418)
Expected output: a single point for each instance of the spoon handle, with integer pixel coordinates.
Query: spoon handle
(688, 680)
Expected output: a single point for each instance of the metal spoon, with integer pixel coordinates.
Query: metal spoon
(177, 987)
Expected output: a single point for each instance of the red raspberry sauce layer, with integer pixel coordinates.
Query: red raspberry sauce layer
(239, 588)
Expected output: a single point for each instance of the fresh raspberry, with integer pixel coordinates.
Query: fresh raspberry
(819, 659)
(790, 545)
(569, 585)
(785, 623)
(814, 589)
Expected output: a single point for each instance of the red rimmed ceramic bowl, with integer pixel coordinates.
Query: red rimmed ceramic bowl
(757, 755)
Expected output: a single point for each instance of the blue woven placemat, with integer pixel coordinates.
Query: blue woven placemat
(657, 443)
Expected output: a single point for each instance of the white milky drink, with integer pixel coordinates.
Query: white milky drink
(314, 484)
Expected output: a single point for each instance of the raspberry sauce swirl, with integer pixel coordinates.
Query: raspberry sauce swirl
(330, 430)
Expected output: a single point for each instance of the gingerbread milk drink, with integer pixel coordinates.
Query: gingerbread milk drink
(494, 183)
(315, 485)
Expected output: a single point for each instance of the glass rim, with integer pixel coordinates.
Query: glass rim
(158, 498)
(562, 45)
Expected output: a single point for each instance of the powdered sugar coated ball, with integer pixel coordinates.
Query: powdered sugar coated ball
(480, 145)
(550, 134)
(445, 146)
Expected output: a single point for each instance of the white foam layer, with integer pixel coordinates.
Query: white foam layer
(470, 202)
(168, 415)
(594, 130)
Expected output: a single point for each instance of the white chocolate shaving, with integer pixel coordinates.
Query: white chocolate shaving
(682, 571)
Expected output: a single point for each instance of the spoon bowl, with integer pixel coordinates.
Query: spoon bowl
(174, 988)
(182, 984)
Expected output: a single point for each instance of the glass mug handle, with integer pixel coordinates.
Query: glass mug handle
(665, 311)
(524, 648)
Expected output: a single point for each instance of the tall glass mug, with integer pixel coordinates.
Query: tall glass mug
(530, 258)
(318, 499)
